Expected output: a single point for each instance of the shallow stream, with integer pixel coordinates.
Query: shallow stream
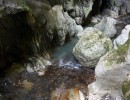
(18, 84)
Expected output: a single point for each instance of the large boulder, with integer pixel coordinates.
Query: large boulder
(111, 71)
(91, 47)
(107, 26)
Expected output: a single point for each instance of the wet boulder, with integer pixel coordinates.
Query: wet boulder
(91, 47)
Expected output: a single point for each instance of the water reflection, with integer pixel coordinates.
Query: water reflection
(67, 61)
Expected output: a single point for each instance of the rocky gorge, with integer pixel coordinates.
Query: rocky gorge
(64, 50)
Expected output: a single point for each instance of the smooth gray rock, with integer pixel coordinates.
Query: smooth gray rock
(122, 38)
(107, 26)
(79, 29)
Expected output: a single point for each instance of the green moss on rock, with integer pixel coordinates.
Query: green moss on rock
(126, 90)
(118, 56)
(23, 4)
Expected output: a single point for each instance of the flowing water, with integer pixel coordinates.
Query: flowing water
(68, 47)
(18, 84)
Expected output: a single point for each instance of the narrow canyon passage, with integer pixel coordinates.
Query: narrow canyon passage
(64, 49)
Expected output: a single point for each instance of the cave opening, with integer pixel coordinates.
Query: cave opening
(15, 39)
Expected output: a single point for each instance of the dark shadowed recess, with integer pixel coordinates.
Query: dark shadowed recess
(96, 7)
(19, 39)
(14, 39)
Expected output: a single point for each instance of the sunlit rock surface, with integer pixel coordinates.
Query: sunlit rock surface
(107, 26)
(91, 46)
(122, 38)
(111, 71)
